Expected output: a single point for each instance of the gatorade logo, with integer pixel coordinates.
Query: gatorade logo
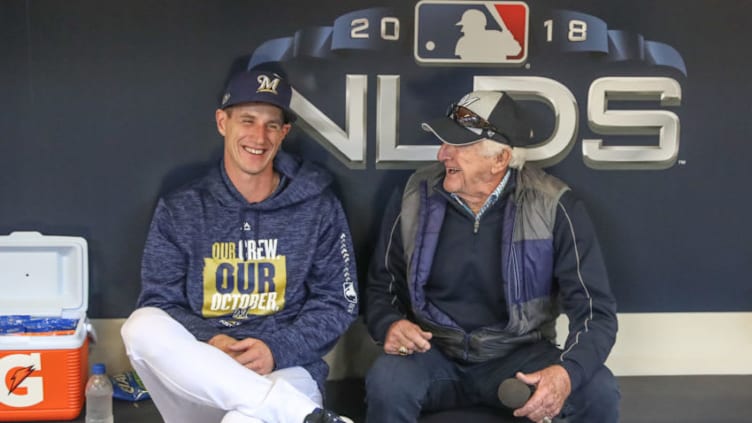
(20, 388)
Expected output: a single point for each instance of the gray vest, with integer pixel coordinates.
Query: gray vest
(527, 263)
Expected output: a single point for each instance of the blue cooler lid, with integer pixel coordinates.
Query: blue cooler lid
(43, 275)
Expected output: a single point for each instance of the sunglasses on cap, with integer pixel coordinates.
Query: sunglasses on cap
(468, 119)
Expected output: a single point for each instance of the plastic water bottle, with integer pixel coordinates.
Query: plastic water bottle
(99, 396)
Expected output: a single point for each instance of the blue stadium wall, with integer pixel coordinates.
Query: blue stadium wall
(641, 106)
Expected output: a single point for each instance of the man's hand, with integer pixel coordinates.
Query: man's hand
(223, 342)
(552, 388)
(405, 337)
(254, 354)
(250, 352)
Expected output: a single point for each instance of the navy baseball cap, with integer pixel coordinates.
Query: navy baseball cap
(259, 87)
(482, 115)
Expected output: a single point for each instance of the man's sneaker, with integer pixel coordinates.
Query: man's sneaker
(325, 416)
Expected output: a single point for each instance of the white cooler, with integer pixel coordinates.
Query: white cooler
(43, 376)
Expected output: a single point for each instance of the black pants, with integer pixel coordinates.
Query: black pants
(399, 388)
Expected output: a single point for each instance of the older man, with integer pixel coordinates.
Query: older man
(475, 262)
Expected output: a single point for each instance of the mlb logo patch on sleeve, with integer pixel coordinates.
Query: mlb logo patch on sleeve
(469, 33)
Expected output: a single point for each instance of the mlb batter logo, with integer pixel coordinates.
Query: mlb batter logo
(471, 32)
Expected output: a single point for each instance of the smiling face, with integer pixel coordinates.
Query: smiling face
(253, 133)
(471, 172)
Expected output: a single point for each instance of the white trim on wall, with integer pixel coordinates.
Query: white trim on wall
(648, 344)
(679, 344)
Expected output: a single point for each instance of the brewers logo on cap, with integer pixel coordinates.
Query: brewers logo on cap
(267, 84)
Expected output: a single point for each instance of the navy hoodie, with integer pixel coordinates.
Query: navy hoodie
(281, 270)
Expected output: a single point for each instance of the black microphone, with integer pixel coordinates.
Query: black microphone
(514, 393)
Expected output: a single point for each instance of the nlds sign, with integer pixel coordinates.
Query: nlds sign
(350, 145)
(492, 38)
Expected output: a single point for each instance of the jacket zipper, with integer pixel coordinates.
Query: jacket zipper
(513, 260)
(515, 276)
(466, 348)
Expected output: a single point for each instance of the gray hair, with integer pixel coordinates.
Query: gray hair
(489, 148)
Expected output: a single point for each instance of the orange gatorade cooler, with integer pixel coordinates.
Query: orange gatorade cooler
(44, 287)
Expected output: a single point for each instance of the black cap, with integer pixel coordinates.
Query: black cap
(483, 115)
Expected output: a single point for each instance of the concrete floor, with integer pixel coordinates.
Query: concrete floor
(645, 399)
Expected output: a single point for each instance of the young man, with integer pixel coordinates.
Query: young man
(474, 264)
(248, 276)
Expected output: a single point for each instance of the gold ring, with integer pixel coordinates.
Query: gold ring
(546, 419)
(402, 350)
